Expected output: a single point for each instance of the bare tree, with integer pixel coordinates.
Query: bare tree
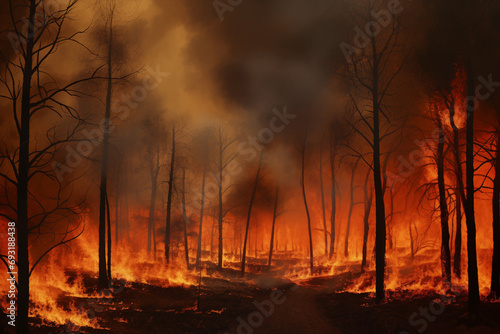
(33, 90)
(202, 207)
(224, 159)
(369, 76)
(474, 301)
(169, 197)
(351, 208)
(443, 205)
(275, 215)
(303, 182)
(368, 194)
(250, 205)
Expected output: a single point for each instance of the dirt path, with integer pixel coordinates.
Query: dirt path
(299, 313)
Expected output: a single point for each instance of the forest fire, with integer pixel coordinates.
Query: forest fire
(329, 167)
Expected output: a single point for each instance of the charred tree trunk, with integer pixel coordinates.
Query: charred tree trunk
(458, 236)
(443, 208)
(474, 301)
(169, 198)
(311, 255)
(252, 198)
(185, 218)
(271, 244)
(380, 228)
(351, 208)
(460, 192)
(495, 263)
(152, 205)
(108, 212)
(198, 251)
(333, 196)
(23, 264)
(325, 231)
(103, 280)
(366, 219)
(221, 214)
(117, 205)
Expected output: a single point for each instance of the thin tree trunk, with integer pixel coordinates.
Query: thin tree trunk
(460, 196)
(198, 252)
(311, 254)
(169, 198)
(152, 207)
(333, 196)
(351, 208)
(474, 301)
(108, 212)
(117, 205)
(325, 231)
(103, 280)
(184, 216)
(127, 221)
(366, 219)
(221, 214)
(271, 244)
(495, 263)
(212, 240)
(23, 264)
(380, 228)
(443, 208)
(244, 255)
(458, 235)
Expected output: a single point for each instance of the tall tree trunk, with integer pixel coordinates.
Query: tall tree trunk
(185, 218)
(460, 192)
(152, 205)
(474, 301)
(380, 228)
(333, 195)
(271, 244)
(351, 208)
(103, 280)
(127, 221)
(366, 219)
(198, 251)
(311, 254)
(108, 213)
(495, 263)
(249, 215)
(212, 240)
(458, 235)
(443, 208)
(169, 198)
(23, 264)
(221, 214)
(323, 209)
(117, 205)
